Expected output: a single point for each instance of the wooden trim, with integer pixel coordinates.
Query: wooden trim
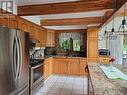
(72, 21)
(66, 7)
(68, 31)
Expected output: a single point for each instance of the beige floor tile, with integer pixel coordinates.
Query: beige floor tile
(44, 90)
(55, 90)
(64, 85)
(41, 93)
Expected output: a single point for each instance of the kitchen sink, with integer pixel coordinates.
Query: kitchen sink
(113, 73)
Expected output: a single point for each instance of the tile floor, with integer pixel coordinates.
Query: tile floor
(64, 85)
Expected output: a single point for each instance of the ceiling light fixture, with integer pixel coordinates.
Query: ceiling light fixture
(123, 26)
(114, 8)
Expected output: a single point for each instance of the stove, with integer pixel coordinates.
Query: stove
(36, 75)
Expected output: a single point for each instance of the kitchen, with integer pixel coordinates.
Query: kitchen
(63, 47)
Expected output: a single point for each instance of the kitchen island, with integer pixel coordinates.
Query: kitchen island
(99, 84)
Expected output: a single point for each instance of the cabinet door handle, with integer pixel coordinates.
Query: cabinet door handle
(86, 69)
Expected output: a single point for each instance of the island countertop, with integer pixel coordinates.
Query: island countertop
(104, 86)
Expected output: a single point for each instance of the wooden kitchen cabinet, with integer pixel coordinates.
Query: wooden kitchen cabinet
(92, 45)
(65, 66)
(16, 22)
(50, 38)
(104, 60)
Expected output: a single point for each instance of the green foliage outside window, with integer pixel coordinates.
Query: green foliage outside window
(66, 45)
(76, 45)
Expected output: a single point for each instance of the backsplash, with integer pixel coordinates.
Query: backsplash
(37, 52)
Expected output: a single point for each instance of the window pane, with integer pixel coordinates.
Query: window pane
(76, 45)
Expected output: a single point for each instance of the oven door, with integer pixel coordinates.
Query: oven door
(36, 75)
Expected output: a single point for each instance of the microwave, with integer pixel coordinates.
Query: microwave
(104, 52)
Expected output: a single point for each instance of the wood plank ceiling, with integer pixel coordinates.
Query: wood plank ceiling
(71, 7)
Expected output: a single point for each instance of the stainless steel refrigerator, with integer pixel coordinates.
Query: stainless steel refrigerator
(14, 66)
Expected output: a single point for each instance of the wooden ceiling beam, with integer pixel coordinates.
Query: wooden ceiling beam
(66, 7)
(71, 21)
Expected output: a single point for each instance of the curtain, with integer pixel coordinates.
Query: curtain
(116, 47)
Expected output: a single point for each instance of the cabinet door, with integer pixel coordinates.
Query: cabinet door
(4, 20)
(50, 38)
(83, 64)
(74, 66)
(46, 69)
(56, 67)
(32, 31)
(61, 66)
(92, 50)
(44, 37)
(14, 23)
(23, 25)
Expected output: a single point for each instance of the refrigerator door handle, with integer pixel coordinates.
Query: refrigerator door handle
(20, 56)
(14, 57)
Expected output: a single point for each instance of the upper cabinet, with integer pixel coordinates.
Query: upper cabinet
(16, 22)
(50, 38)
(4, 20)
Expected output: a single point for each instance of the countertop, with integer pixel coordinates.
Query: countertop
(55, 56)
(104, 86)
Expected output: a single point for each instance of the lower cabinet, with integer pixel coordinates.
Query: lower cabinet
(104, 60)
(69, 66)
(65, 66)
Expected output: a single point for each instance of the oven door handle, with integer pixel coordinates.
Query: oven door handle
(36, 66)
